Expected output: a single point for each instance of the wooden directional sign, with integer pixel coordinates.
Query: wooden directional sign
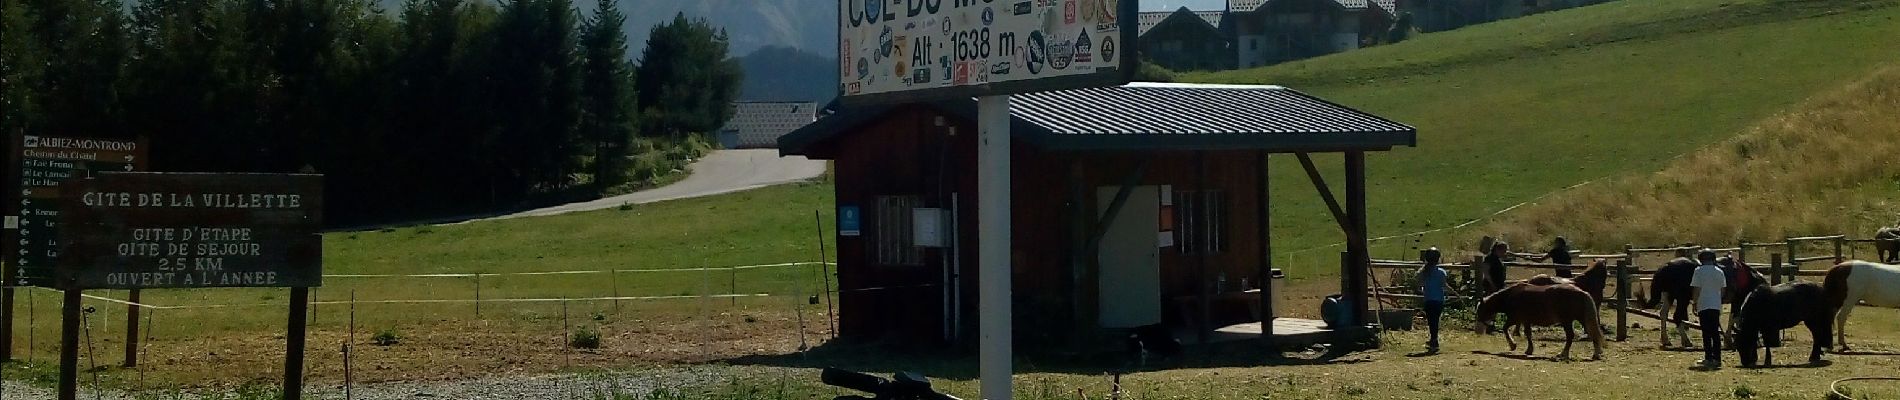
(190, 230)
(31, 245)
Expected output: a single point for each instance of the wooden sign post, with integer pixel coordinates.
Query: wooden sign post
(191, 230)
(30, 248)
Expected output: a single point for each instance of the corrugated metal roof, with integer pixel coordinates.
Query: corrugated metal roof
(1245, 5)
(1390, 6)
(1192, 109)
(1164, 116)
(1150, 19)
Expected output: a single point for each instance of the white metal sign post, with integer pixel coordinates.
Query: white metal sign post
(994, 350)
(896, 51)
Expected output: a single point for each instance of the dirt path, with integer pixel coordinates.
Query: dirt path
(723, 171)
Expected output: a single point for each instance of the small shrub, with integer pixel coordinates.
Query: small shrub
(386, 337)
(598, 316)
(751, 319)
(1354, 391)
(1744, 392)
(425, 230)
(585, 338)
(626, 207)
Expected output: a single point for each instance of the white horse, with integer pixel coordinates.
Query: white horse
(1854, 282)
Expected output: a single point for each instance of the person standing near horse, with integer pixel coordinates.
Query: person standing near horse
(1559, 254)
(1494, 266)
(1709, 283)
(1433, 283)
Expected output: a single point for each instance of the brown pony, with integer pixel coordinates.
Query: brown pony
(1887, 244)
(1558, 304)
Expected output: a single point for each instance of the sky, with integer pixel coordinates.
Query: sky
(1170, 5)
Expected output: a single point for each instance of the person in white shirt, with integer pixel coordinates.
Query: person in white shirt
(1710, 286)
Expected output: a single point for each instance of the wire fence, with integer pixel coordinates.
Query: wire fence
(710, 311)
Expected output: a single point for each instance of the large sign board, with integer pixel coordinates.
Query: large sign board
(189, 230)
(31, 247)
(919, 50)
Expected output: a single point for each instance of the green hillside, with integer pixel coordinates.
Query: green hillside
(1510, 111)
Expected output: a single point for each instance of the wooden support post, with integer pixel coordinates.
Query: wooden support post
(132, 328)
(1264, 228)
(1356, 210)
(732, 287)
(1741, 251)
(613, 278)
(294, 342)
(6, 326)
(1622, 300)
(1325, 193)
(478, 296)
(1774, 269)
(69, 346)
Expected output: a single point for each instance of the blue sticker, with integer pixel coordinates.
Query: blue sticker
(884, 45)
(945, 62)
(864, 68)
(874, 8)
(989, 16)
(849, 221)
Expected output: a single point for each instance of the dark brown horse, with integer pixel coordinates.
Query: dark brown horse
(1769, 309)
(1670, 289)
(1558, 304)
(1887, 244)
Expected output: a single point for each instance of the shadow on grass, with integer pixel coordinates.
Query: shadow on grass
(1866, 353)
(1519, 356)
(1819, 364)
(960, 363)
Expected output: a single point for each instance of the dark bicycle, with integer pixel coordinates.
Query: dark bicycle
(901, 386)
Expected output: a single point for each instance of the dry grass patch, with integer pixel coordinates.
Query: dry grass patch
(1825, 167)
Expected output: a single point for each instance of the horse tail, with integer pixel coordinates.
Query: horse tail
(1834, 287)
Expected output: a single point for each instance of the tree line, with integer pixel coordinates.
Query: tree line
(437, 107)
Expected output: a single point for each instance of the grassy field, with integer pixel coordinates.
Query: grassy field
(675, 240)
(1510, 111)
(1507, 112)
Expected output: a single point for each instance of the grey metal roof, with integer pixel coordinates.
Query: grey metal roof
(1244, 5)
(1389, 6)
(1150, 19)
(1163, 116)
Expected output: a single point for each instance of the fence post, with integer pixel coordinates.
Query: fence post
(1774, 268)
(613, 278)
(1840, 242)
(132, 329)
(1792, 260)
(1741, 250)
(1622, 299)
(732, 287)
(478, 296)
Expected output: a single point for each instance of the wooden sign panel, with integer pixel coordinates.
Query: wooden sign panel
(191, 230)
(44, 162)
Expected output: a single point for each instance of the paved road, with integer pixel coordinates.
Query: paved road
(723, 171)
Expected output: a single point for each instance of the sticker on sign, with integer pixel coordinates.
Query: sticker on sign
(891, 41)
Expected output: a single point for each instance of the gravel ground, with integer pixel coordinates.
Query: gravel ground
(601, 385)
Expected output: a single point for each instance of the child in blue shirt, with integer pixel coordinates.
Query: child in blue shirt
(1433, 282)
